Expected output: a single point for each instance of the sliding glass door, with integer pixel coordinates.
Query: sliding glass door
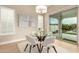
(63, 25)
(54, 24)
(69, 26)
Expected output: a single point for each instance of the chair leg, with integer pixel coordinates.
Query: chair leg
(55, 49)
(48, 49)
(30, 48)
(26, 47)
(41, 48)
(34, 46)
(38, 47)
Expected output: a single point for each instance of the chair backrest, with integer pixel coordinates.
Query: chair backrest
(48, 40)
(31, 39)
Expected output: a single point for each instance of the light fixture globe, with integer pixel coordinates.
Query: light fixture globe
(41, 9)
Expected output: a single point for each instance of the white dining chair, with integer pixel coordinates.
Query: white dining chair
(33, 42)
(49, 42)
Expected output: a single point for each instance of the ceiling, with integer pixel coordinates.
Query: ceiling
(24, 9)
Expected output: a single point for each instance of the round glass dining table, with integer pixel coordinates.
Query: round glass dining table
(41, 40)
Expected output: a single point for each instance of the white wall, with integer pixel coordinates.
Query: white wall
(20, 32)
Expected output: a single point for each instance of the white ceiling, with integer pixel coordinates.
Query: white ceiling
(25, 9)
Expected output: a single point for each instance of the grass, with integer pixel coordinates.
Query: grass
(69, 41)
(72, 33)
